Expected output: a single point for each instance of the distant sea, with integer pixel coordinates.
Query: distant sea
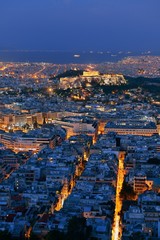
(67, 57)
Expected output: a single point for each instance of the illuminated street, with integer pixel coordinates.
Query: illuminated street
(28, 233)
(117, 228)
(79, 120)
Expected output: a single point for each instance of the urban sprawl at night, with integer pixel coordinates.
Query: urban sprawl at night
(80, 150)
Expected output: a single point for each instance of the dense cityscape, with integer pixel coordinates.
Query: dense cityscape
(79, 120)
(80, 150)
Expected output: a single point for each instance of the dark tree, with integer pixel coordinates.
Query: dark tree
(34, 237)
(55, 235)
(5, 235)
(127, 192)
(69, 73)
(155, 161)
(138, 236)
(77, 229)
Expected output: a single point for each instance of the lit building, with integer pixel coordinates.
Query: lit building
(90, 74)
(19, 120)
(79, 125)
(127, 127)
(11, 160)
(34, 140)
(141, 184)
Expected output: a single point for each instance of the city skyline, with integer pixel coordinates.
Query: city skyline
(79, 120)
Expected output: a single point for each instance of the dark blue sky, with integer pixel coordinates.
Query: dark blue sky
(80, 24)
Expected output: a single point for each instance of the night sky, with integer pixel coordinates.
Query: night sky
(66, 25)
